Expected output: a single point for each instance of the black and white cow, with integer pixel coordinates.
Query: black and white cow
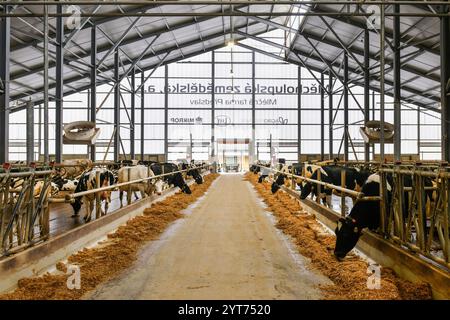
(65, 184)
(354, 179)
(192, 171)
(280, 177)
(175, 179)
(264, 172)
(88, 181)
(366, 214)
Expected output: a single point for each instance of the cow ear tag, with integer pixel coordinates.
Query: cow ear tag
(355, 229)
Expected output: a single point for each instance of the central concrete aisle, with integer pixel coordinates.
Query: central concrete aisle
(225, 248)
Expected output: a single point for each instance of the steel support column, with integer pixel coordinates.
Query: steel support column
(5, 29)
(59, 85)
(93, 87)
(445, 85)
(116, 107)
(397, 86)
(345, 88)
(133, 114)
(46, 87)
(330, 115)
(213, 104)
(299, 113)
(418, 131)
(142, 116)
(366, 87)
(166, 112)
(382, 66)
(253, 144)
(322, 118)
(30, 131)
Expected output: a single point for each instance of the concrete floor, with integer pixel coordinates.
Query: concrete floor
(226, 248)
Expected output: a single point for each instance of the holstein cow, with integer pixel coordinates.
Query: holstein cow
(88, 181)
(65, 184)
(126, 174)
(264, 172)
(354, 179)
(280, 177)
(175, 179)
(193, 172)
(366, 214)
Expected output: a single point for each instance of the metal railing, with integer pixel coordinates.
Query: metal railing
(25, 215)
(412, 216)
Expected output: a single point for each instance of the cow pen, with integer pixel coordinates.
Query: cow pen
(406, 246)
(25, 218)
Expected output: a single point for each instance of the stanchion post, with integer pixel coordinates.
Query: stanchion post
(98, 203)
(343, 178)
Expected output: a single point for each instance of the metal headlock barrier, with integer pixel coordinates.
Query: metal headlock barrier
(426, 217)
(24, 212)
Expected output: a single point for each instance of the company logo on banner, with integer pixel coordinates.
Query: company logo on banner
(198, 120)
(280, 120)
(223, 120)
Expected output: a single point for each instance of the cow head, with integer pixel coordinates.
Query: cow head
(196, 175)
(76, 205)
(307, 188)
(278, 183)
(159, 184)
(107, 178)
(185, 188)
(347, 235)
(179, 182)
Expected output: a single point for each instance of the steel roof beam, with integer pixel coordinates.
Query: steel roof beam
(389, 33)
(316, 69)
(359, 52)
(148, 56)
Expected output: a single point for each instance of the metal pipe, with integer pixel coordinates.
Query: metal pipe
(253, 106)
(366, 87)
(5, 37)
(59, 90)
(46, 113)
(382, 39)
(133, 114)
(346, 137)
(116, 107)
(322, 118)
(213, 103)
(30, 132)
(330, 115)
(299, 113)
(166, 112)
(397, 86)
(93, 86)
(445, 86)
(26, 174)
(220, 14)
(142, 115)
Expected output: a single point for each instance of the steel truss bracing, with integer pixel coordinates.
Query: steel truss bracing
(101, 70)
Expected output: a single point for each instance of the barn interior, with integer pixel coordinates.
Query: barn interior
(236, 149)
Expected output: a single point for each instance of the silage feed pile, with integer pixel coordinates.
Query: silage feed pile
(117, 253)
(349, 276)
